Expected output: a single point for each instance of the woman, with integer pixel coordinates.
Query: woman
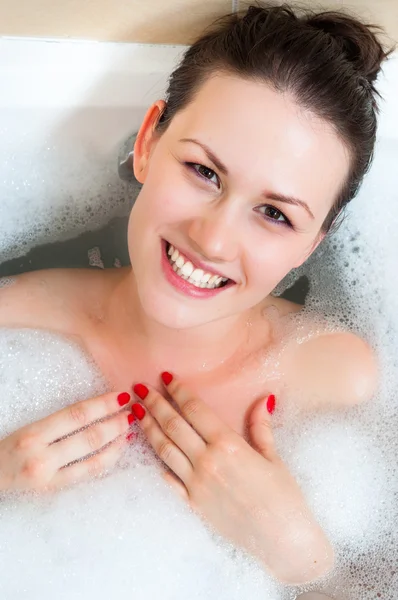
(268, 129)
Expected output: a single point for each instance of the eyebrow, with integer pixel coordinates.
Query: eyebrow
(210, 154)
(289, 200)
(268, 195)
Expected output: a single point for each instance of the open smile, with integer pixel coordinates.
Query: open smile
(189, 277)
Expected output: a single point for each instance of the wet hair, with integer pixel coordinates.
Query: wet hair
(328, 61)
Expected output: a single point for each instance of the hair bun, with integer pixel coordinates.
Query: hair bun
(358, 41)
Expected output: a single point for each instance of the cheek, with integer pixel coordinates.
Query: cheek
(172, 206)
(167, 195)
(270, 259)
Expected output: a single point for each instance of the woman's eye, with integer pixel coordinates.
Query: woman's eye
(274, 214)
(204, 172)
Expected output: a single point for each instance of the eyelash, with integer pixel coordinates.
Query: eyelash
(286, 222)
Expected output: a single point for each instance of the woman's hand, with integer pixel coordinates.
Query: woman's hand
(48, 454)
(246, 493)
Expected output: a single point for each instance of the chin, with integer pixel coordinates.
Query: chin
(170, 310)
(170, 307)
(173, 315)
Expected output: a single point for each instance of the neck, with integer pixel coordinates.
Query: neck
(186, 351)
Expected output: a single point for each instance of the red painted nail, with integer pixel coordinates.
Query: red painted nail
(130, 418)
(130, 436)
(123, 398)
(271, 403)
(141, 391)
(167, 377)
(139, 411)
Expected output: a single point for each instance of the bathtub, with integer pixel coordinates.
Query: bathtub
(65, 110)
(73, 106)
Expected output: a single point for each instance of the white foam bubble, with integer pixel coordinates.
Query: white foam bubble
(64, 186)
(346, 462)
(94, 257)
(6, 281)
(128, 534)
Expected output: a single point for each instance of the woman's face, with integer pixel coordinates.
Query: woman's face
(240, 184)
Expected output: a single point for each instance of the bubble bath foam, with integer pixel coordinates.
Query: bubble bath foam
(128, 534)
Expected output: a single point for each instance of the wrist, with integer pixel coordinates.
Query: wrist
(301, 553)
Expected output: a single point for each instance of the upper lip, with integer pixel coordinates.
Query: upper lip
(199, 264)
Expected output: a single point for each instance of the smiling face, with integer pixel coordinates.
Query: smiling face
(239, 185)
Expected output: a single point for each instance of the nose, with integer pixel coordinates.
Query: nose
(215, 235)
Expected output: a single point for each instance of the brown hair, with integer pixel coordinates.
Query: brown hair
(328, 61)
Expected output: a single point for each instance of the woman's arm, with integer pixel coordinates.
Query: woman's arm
(246, 493)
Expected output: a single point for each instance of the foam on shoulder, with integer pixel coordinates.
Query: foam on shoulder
(346, 460)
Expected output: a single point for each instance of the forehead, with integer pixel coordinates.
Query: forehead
(264, 136)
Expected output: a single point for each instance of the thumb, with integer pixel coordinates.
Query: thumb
(260, 427)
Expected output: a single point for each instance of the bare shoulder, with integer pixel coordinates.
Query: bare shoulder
(52, 299)
(323, 368)
(333, 369)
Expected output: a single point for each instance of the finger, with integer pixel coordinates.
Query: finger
(96, 466)
(202, 418)
(91, 439)
(164, 447)
(176, 485)
(172, 423)
(78, 415)
(260, 430)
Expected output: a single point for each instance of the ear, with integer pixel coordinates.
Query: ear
(146, 140)
(310, 250)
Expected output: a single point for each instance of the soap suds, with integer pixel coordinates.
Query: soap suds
(128, 534)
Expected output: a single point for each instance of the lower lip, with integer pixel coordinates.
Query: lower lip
(184, 286)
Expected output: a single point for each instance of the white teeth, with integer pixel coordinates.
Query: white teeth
(213, 280)
(197, 275)
(175, 255)
(185, 269)
(179, 262)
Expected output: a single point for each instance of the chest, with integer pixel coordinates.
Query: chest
(230, 390)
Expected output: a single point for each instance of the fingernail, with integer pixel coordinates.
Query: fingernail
(141, 391)
(139, 411)
(130, 418)
(130, 436)
(167, 377)
(271, 403)
(123, 398)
